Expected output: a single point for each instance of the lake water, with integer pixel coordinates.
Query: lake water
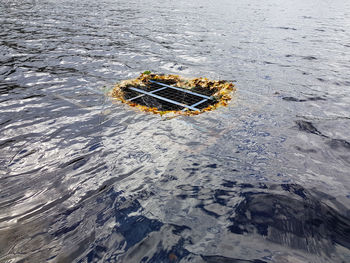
(86, 179)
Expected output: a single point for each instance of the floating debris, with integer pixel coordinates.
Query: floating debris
(165, 94)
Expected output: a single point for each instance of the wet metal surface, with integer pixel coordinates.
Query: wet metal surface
(174, 96)
(266, 179)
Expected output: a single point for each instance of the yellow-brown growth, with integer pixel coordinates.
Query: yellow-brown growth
(221, 91)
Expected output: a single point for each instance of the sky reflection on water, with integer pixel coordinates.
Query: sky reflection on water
(86, 179)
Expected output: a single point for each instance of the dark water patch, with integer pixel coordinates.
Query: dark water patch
(95, 146)
(66, 229)
(21, 155)
(1, 101)
(293, 188)
(168, 178)
(107, 185)
(34, 96)
(305, 150)
(60, 70)
(245, 186)
(3, 123)
(9, 72)
(299, 219)
(10, 202)
(135, 228)
(213, 166)
(287, 28)
(309, 58)
(6, 87)
(5, 143)
(307, 126)
(339, 143)
(315, 98)
(229, 184)
(293, 99)
(192, 171)
(96, 254)
(286, 214)
(75, 160)
(79, 163)
(206, 211)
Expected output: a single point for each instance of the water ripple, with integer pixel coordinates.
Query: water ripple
(87, 179)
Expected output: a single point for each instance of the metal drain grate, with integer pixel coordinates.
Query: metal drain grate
(167, 97)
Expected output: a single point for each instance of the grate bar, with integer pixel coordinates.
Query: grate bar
(181, 89)
(196, 104)
(199, 102)
(165, 99)
(139, 96)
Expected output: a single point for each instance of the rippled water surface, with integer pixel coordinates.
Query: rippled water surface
(86, 179)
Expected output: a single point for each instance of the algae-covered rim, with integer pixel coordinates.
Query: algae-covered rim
(220, 91)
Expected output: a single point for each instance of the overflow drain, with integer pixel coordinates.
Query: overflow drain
(162, 94)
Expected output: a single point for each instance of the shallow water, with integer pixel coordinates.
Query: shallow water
(87, 179)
